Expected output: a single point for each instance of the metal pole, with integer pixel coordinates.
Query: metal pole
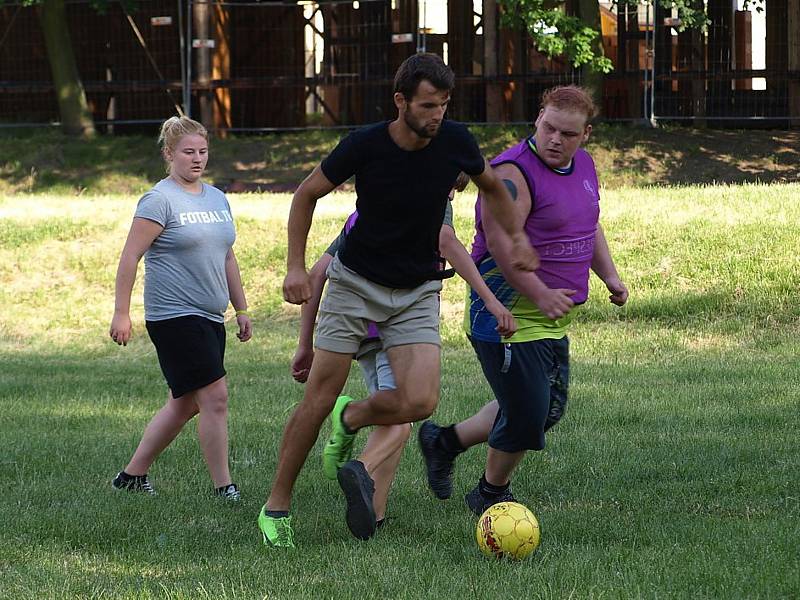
(646, 58)
(182, 51)
(421, 41)
(653, 71)
(187, 90)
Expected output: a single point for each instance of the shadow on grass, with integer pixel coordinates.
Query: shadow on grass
(684, 156)
(47, 161)
(771, 303)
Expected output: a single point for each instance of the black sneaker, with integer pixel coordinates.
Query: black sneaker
(478, 502)
(438, 462)
(132, 483)
(358, 489)
(229, 492)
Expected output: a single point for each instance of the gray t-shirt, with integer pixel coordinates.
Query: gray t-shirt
(337, 243)
(185, 266)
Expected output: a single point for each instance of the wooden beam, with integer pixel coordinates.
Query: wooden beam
(494, 90)
(691, 58)
(221, 69)
(720, 54)
(794, 60)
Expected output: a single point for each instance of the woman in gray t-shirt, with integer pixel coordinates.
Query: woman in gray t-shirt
(185, 231)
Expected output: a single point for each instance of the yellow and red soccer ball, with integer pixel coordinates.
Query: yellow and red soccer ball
(507, 530)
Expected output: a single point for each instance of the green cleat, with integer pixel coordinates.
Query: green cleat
(276, 531)
(339, 448)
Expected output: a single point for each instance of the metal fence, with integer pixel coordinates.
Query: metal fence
(130, 63)
(737, 71)
(247, 65)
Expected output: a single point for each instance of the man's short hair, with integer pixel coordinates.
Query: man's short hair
(421, 66)
(572, 98)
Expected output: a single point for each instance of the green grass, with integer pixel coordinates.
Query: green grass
(674, 473)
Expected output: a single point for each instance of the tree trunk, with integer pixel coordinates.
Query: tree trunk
(76, 119)
(588, 11)
(494, 91)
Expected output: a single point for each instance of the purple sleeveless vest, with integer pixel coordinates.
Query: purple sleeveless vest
(563, 220)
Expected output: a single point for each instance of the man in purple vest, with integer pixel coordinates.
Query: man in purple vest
(554, 184)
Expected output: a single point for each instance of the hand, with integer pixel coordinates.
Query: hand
(462, 181)
(245, 328)
(523, 256)
(301, 363)
(619, 293)
(506, 325)
(555, 303)
(297, 286)
(120, 330)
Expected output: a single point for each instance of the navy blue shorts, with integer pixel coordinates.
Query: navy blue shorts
(530, 381)
(191, 351)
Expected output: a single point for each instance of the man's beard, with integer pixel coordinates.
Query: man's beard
(420, 131)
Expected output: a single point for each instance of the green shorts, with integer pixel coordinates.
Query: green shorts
(403, 316)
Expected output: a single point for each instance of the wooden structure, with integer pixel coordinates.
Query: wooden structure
(250, 66)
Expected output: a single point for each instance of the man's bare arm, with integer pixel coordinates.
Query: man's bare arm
(496, 202)
(296, 285)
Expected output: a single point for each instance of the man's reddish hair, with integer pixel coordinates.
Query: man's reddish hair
(572, 98)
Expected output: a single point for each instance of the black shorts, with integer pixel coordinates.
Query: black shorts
(530, 381)
(191, 351)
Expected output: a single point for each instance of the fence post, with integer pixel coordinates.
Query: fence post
(187, 94)
(201, 16)
(182, 52)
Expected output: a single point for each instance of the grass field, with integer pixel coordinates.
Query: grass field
(674, 474)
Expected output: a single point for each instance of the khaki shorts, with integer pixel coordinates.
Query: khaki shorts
(403, 316)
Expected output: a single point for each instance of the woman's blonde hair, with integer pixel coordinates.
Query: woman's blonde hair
(174, 128)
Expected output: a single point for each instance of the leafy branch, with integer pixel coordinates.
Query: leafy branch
(557, 33)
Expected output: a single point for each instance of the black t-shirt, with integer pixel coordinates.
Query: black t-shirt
(401, 199)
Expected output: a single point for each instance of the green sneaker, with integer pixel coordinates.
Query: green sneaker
(339, 448)
(277, 531)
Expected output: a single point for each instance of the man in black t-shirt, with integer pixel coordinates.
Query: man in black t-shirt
(387, 273)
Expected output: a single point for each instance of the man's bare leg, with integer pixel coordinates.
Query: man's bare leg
(380, 457)
(500, 465)
(493, 486)
(416, 369)
(476, 429)
(416, 374)
(325, 382)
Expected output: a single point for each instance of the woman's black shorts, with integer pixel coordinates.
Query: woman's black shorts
(191, 351)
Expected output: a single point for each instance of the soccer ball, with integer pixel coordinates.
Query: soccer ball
(507, 530)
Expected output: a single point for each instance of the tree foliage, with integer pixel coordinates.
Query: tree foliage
(555, 32)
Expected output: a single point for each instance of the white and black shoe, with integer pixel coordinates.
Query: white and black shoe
(229, 492)
(133, 483)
